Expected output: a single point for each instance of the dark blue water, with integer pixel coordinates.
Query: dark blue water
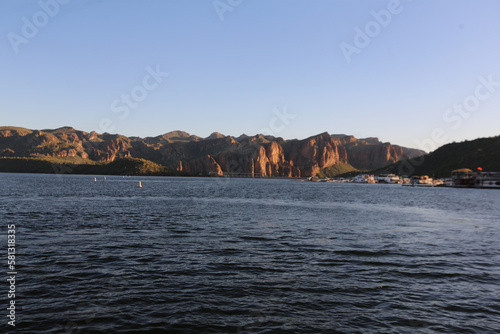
(208, 255)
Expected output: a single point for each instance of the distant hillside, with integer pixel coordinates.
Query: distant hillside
(338, 169)
(184, 153)
(483, 152)
(126, 166)
(368, 152)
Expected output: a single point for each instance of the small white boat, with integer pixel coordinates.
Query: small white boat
(389, 178)
(421, 181)
(364, 178)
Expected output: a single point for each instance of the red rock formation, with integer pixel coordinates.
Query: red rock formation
(205, 165)
(257, 155)
(372, 154)
(315, 153)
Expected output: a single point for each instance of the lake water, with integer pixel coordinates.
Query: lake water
(209, 255)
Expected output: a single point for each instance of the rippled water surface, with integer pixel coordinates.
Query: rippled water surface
(209, 255)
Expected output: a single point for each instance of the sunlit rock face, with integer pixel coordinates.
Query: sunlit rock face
(217, 154)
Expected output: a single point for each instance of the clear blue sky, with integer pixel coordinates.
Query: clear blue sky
(229, 75)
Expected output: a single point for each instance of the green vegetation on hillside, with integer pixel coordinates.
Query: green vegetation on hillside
(134, 166)
(31, 165)
(76, 160)
(483, 152)
(48, 165)
(336, 170)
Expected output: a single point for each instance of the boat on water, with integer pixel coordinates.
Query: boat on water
(487, 180)
(462, 178)
(466, 178)
(421, 181)
(389, 178)
(364, 178)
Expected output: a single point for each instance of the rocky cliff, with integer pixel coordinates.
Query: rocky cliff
(364, 154)
(214, 155)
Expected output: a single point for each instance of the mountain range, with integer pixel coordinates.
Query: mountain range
(216, 154)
